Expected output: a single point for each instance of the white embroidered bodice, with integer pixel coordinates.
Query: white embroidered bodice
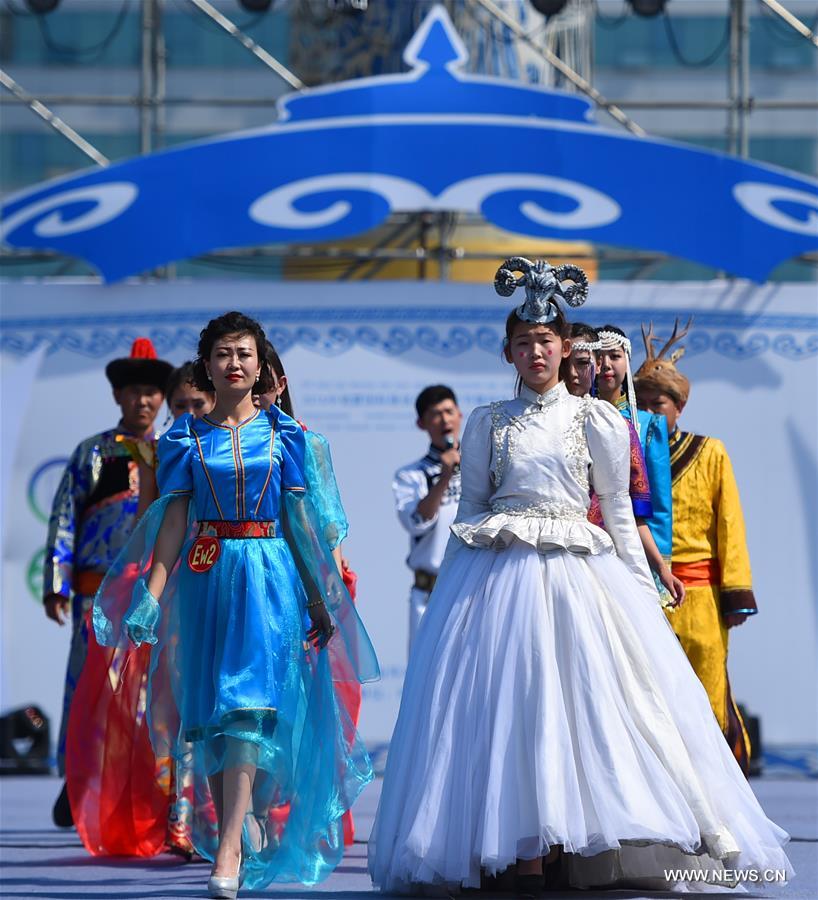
(527, 466)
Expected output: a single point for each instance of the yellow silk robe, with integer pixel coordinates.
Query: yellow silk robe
(710, 555)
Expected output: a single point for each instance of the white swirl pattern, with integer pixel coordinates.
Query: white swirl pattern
(757, 199)
(276, 208)
(110, 201)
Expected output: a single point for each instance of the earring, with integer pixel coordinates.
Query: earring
(278, 400)
(258, 375)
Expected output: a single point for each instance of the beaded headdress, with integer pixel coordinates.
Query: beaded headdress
(543, 283)
(609, 340)
(591, 346)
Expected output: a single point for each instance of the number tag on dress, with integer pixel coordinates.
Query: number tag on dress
(203, 554)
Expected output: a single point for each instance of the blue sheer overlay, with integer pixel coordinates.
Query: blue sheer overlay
(142, 616)
(233, 681)
(324, 490)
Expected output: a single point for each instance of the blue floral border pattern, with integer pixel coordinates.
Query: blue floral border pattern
(394, 331)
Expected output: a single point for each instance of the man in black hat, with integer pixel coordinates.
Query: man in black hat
(94, 513)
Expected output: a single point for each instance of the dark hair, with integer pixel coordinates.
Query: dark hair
(183, 375)
(285, 402)
(431, 396)
(560, 325)
(231, 323)
(581, 330)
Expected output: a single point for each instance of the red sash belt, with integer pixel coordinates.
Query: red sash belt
(222, 528)
(698, 574)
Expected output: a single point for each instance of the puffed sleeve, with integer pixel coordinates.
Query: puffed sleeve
(175, 472)
(475, 465)
(293, 449)
(609, 448)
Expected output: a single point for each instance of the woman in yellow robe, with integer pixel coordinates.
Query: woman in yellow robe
(709, 542)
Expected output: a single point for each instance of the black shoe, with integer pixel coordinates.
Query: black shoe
(61, 814)
(528, 886)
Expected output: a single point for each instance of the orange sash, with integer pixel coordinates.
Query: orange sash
(698, 574)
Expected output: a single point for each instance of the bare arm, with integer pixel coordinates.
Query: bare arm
(168, 544)
(322, 627)
(339, 561)
(657, 563)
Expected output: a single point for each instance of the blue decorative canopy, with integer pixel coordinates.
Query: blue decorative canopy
(341, 158)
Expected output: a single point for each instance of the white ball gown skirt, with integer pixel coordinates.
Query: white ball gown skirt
(548, 702)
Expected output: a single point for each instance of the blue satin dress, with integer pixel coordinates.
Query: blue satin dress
(245, 617)
(233, 680)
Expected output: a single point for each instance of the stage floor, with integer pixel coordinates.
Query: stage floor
(39, 860)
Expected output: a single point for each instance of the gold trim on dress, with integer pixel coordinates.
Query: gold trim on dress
(207, 474)
(269, 471)
(236, 467)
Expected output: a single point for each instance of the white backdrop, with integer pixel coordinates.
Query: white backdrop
(357, 355)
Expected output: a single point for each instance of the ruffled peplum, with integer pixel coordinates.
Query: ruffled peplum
(544, 529)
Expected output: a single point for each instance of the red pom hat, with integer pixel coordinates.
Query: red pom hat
(141, 367)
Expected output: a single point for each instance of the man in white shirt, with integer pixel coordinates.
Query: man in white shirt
(427, 493)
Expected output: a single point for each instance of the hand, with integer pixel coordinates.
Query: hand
(449, 460)
(322, 628)
(57, 608)
(673, 585)
(733, 619)
(142, 617)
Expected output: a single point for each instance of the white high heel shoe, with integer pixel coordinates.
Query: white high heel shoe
(225, 887)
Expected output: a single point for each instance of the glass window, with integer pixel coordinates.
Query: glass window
(112, 37)
(638, 42)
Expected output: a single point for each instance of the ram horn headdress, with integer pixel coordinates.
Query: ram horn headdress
(543, 283)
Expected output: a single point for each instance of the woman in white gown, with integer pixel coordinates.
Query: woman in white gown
(547, 703)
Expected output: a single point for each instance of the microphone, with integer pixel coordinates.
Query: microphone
(450, 446)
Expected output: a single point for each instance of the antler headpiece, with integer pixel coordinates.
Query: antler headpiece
(659, 371)
(543, 284)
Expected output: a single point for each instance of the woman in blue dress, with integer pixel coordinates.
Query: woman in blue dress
(240, 607)
(614, 382)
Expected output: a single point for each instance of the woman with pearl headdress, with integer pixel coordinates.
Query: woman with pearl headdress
(548, 707)
(614, 383)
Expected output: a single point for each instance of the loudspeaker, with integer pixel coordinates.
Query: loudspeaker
(25, 742)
